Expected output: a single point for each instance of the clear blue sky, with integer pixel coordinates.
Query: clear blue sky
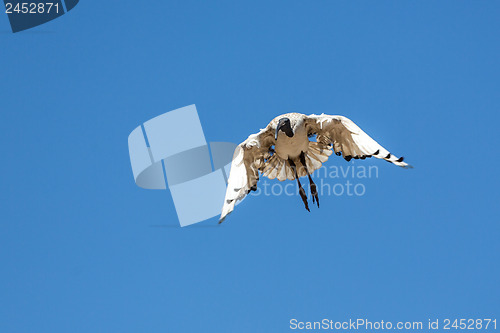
(80, 249)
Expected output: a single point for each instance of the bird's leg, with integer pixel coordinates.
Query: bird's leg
(301, 190)
(314, 191)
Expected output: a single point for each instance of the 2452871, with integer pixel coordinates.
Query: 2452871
(31, 8)
(469, 324)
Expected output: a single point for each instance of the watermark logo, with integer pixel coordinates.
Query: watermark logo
(26, 14)
(170, 151)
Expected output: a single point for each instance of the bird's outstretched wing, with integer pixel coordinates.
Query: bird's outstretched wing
(249, 156)
(348, 139)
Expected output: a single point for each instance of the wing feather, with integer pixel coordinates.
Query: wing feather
(248, 158)
(348, 139)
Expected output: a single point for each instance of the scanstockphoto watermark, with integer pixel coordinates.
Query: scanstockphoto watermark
(429, 325)
(332, 180)
(357, 324)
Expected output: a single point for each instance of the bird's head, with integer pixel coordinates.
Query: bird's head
(285, 126)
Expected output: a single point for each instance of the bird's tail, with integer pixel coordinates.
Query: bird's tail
(316, 155)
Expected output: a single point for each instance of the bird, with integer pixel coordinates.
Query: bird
(285, 149)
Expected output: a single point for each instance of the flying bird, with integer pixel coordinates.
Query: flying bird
(283, 150)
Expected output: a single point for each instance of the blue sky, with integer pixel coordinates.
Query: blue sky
(83, 249)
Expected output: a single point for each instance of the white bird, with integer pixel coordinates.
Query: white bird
(283, 150)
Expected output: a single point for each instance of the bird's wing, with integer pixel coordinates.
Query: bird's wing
(348, 139)
(248, 158)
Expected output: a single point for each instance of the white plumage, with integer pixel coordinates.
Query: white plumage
(281, 149)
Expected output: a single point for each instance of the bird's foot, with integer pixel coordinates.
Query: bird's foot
(304, 198)
(314, 193)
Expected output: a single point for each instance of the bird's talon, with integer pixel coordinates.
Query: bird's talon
(304, 198)
(314, 194)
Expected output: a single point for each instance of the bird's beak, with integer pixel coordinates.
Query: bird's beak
(276, 135)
